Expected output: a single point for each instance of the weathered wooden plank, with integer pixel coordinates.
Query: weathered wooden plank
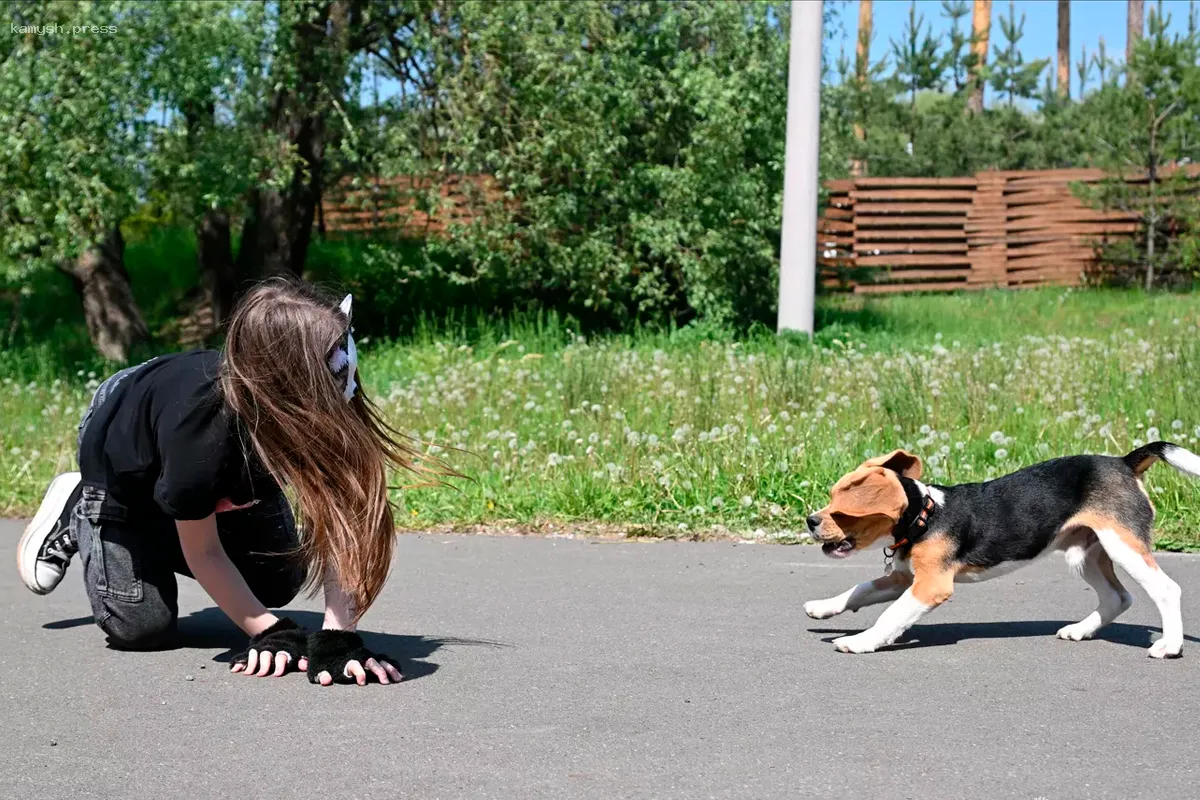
(912, 208)
(893, 288)
(882, 183)
(1048, 269)
(920, 233)
(893, 275)
(881, 248)
(914, 261)
(947, 195)
(1070, 214)
(904, 220)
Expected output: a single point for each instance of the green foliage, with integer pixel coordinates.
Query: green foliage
(209, 76)
(637, 145)
(958, 61)
(919, 64)
(703, 426)
(640, 146)
(1010, 75)
(1142, 132)
(73, 101)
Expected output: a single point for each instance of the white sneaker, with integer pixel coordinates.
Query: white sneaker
(46, 547)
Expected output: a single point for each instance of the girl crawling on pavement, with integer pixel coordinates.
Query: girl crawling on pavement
(181, 464)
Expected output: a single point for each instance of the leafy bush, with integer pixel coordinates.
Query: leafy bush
(641, 146)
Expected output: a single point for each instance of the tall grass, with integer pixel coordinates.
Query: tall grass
(691, 430)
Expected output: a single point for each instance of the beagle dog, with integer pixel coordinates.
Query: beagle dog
(1094, 509)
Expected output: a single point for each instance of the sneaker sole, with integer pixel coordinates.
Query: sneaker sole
(52, 507)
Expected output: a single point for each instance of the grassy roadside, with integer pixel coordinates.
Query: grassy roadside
(695, 430)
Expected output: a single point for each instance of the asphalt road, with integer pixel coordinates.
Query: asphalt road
(561, 668)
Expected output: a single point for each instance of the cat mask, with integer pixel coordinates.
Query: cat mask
(343, 361)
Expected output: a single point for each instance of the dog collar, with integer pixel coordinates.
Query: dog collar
(915, 521)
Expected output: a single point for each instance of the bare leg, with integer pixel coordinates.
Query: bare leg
(892, 623)
(869, 593)
(1132, 555)
(1112, 598)
(933, 583)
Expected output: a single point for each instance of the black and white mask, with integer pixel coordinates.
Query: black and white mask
(343, 362)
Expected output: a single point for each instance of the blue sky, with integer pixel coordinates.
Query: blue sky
(1090, 19)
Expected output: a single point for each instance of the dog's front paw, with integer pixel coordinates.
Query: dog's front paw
(1164, 649)
(823, 609)
(858, 643)
(1077, 632)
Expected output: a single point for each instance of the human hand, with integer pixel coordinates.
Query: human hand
(271, 652)
(341, 657)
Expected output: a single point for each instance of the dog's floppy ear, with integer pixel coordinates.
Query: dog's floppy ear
(869, 492)
(899, 461)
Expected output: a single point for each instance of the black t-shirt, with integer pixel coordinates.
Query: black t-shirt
(164, 442)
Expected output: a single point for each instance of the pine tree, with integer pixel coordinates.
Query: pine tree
(1011, 76)
(918, 64)
(958, 60)
(1105, 65)
(1083, 68)
(1145, 130)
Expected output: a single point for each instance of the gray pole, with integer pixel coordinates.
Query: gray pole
(798, 250)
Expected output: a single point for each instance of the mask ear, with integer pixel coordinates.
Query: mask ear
(899, 461)
(346, 305)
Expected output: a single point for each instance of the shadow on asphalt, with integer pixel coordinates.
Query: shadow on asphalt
(64, 624)
(210, 629)
(947, 633)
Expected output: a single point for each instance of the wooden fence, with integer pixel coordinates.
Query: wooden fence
(1007, 229)
(413, 206)
(992, 229)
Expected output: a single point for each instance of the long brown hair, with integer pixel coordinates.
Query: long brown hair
(334, 454)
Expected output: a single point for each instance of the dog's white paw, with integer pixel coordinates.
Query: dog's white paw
(858, 643)
(823, 609)
(1076, 632)
(1164, 649)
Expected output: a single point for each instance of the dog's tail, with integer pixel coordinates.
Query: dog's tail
(1180, 458)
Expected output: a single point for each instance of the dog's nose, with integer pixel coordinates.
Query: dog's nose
(814, 522)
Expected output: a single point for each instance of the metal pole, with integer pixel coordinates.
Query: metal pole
(798, 250)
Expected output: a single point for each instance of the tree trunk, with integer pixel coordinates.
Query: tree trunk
(214, 248)
(981, 27)
(266, 248)
(862, 70)
(862, 53)
(1152, 185)
(214, 260)
(1135, 25)
(1064, 49)
(114, 321)
(278, 226)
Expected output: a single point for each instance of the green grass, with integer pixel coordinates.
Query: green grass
(689, 431)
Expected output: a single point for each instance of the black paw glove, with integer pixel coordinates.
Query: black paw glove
(341, 657)
(285, 640)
